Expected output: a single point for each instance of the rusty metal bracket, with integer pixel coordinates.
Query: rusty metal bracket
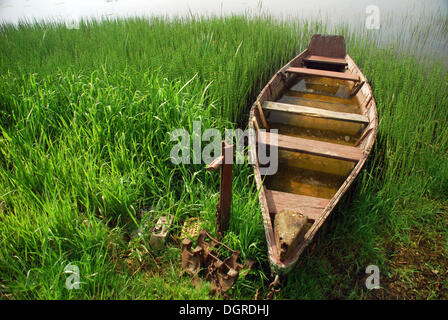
(221, 273)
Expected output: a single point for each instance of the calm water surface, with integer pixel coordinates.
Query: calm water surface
(398, 19)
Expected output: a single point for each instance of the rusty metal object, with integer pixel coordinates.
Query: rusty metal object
(221, 273)
(225, 197)
(288, 225)
(225, 162)
(274, 287)
(191, 261)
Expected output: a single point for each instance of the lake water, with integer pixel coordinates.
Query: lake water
(387, 20)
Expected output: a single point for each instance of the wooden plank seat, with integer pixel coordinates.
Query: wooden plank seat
(314, 112)
(319, 148)
(310, 206)
(325, 60)
(324, 73)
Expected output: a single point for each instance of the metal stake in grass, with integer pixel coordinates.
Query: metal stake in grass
(225, 161)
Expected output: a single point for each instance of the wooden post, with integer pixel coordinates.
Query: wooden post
(225, 161)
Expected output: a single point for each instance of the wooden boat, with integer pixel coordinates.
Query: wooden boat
(326, 117)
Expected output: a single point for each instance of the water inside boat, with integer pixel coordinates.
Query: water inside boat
(306, 174)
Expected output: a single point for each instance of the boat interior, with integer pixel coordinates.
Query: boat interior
(322, 120)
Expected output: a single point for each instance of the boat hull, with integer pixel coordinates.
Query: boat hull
(275, 88)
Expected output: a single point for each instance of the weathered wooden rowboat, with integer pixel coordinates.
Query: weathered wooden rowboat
(326, 117)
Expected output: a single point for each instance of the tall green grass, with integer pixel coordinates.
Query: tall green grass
(225, 51)
(85, 117)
